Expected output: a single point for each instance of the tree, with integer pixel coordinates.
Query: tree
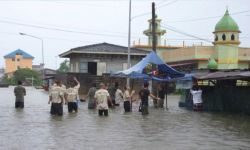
(26, 74)
(9, 81)
(64, 67)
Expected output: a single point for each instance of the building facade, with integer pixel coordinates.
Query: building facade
(102, 58)
(225, 50)
(160, 47)
(17, 59)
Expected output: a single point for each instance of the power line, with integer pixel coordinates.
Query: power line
(207, 18)
(163, 5)
(190, 35)
(157, 7)
(18, 20)
(63, 30)
(186, 34)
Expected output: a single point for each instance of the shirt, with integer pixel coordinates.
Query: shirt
(126, 96)
(71, 95)
(161, 94)
(20, 92)
(77, 87)
(118, 96)
(144, 93)
(101, 96)
(112, 91)
(196, 96)
(55, 93)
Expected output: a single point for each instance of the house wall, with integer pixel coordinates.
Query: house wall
(105, 63)
(12, 64)
(228, 56)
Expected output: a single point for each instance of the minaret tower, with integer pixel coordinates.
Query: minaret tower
(159, 32)
(226, 42)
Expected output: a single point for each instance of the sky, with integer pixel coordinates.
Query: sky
(63, 25)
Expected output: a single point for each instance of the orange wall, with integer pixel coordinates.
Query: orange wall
(11, 66)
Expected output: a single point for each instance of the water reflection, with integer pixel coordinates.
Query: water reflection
(175, 128)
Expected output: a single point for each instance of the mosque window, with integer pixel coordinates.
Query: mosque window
(223, 37)
(232, 37)
(216, 38)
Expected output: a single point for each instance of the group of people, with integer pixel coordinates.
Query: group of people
(104, 97)
(101, 99)
(112, 96)
(59, 95)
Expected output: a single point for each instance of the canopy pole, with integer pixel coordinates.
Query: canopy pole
(129, 37)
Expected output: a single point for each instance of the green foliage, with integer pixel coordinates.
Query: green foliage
(64, 67)
(9, 81)
(26, 74)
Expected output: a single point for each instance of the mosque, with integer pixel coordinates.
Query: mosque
(223, 55)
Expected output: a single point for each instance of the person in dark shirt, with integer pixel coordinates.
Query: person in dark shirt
(144, 94)
(112, 89)
(91, 97)
(160, 95)
(20, 92)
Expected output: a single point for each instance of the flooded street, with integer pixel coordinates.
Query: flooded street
(175, 128)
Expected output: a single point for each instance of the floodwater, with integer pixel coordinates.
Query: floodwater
(174, 129)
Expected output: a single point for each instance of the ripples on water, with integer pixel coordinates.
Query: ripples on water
(175, 128)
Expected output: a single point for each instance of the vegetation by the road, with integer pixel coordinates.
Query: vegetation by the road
(26, 75)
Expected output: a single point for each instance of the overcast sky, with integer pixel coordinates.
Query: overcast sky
(68, 24)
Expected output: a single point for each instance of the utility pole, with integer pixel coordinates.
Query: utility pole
(153, 28)
(153, 87)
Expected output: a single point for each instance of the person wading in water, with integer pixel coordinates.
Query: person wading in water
(144, 94)
(102, 97)
(20, 92)
(56, 97)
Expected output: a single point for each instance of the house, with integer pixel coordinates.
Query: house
(101, 58)
(17, 59)
(93, 63)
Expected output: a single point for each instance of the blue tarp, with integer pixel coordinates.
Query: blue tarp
(134, 75)
(152, 58)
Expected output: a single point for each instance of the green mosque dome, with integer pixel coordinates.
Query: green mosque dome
(226, 23)
(212, 64)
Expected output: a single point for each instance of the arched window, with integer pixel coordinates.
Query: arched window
(232, 37)
(223, 37)
(216, 38)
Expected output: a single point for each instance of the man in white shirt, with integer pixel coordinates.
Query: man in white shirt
(56, 97)
(77, 87)
(197, 98)
(71, 98)
(102, 97)
(118, 95)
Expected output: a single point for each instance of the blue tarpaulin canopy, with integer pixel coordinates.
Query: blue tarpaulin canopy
(152, 58)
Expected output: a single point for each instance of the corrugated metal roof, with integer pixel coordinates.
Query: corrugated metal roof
(222, 75)
(104, 48)
(18, 52)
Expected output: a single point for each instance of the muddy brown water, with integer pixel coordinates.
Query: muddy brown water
(174, 129)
